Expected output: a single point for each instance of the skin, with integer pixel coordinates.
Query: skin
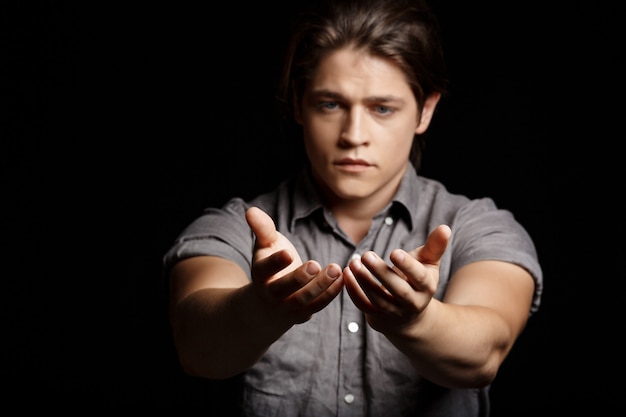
(358, 116)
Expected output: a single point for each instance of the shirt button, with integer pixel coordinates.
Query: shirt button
(349, 398)
(353, 327)
(388, 221)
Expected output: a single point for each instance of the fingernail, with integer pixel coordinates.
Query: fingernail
(369, 256)
(312, 269)
(334, 272)
(398, 256)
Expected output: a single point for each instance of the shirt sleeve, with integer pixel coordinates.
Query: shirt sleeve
(221, 232)
(481, 231)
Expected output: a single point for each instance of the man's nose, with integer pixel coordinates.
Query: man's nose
(354, 131)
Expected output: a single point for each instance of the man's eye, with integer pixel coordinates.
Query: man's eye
(382, 109)
(328, 105)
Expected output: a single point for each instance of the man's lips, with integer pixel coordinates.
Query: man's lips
(352, 165)
(350, 161)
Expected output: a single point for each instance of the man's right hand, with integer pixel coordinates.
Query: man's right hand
(289, 288)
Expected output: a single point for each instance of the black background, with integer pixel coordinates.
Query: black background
(122, 120)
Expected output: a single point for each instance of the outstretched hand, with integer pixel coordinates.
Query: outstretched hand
(398, 294)
(290, 289)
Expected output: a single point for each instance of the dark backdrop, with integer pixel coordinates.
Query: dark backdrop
(121, 121)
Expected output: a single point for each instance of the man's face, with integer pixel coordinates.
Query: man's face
(359, 117)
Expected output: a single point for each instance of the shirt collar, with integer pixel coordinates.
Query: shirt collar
(404, 204)
(407, 197)
(306, 198)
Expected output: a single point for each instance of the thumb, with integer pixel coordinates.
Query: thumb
(432, 251)
(262, 226)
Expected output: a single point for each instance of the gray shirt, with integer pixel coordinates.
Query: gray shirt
(334, 364)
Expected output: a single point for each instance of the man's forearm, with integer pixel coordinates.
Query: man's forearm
(221, 332)
(455, 346)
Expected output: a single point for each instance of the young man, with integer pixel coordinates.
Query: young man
(357, 288)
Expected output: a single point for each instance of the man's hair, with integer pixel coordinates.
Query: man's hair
(405, 32)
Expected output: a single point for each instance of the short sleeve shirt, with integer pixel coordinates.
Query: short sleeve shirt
(334, 364)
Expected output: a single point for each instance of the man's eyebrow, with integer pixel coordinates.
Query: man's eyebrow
(373, 99)
(384, 99)
(327, 93)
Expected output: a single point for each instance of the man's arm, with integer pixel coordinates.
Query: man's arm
(223, 323)
(460, 341)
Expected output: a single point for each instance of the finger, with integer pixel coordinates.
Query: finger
(324, 298)
(295, 281)
(396, 284)
(369, 295)
(318, 282)
(356, 293)
(373, 277)
(305, 311)
(376, 272)
(262, 226)
(432, 251)
(264, 269)
(413, 271)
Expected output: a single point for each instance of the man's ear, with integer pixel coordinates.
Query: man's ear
(427, 112)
